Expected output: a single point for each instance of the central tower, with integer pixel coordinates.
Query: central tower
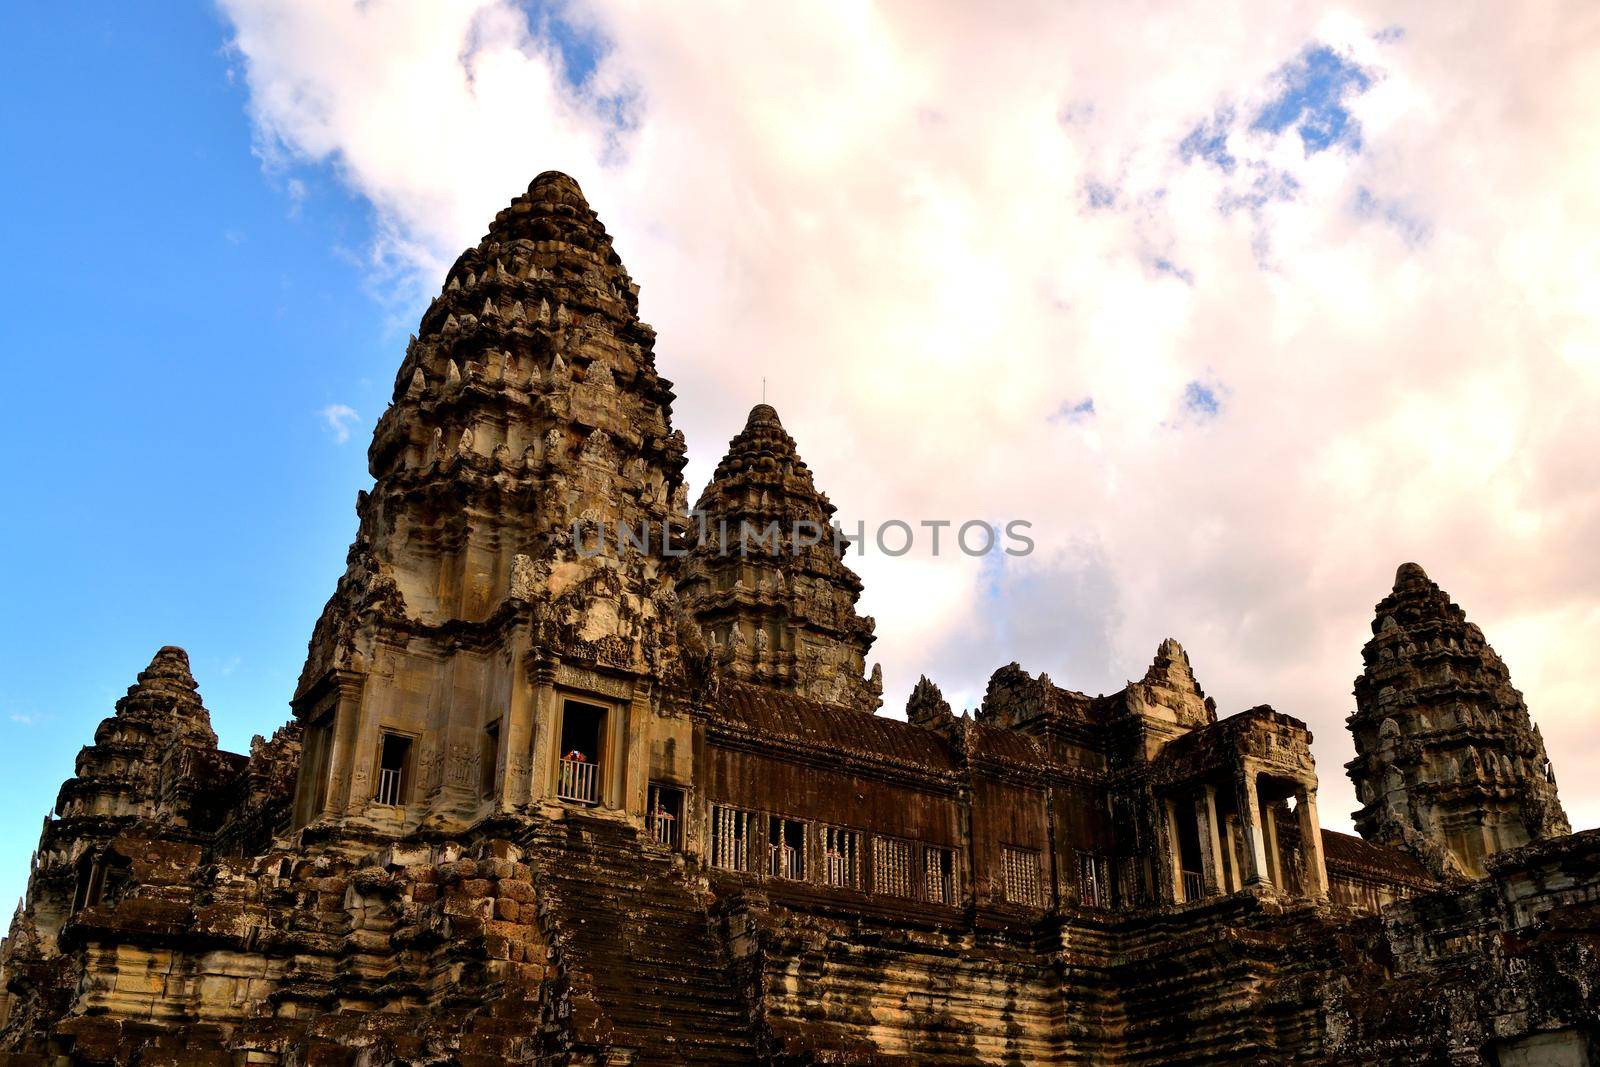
(486, 592)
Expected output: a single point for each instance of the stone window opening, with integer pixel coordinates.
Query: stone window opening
(90, 883)
(582, 739)
(891, 866)
(665, 815)
(315, 770)
(1191, 866)
(939, 875)
(1130, 887)
(394, 769)
(116, 874)
(1020, 868)
(731, 837)
(786, 848)
(489, 761)
(841, 857)
(1094, 880)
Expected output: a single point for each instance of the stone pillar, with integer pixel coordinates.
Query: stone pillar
(1235, 875)
(517, 734)
(635, 772)
(1171, 853)
(1250, 822)
(357, 752)
(546, 738)
(1205, 806)
(1269, 825)
(1314, 877)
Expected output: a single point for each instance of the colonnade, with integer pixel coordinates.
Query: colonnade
(1239, 848)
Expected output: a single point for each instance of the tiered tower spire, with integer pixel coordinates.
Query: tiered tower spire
(1448, 762)
(528, 426)
(142, 768)
(133, 764)
(768, 583)
(529, 402)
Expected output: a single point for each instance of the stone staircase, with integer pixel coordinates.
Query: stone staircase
(645, 979)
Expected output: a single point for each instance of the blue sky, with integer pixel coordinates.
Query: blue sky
(173, 323)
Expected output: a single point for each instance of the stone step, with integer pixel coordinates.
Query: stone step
(633, 938)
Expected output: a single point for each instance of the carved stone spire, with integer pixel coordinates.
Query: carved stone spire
(1169, 690)
(769, 581)
(160, 719)
(147, 766)
(528, 433)
(528, 407)
(166, 697)
(1448, 762)
(161, 710)
(927, 706)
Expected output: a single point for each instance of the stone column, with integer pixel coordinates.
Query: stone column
(1250, 823)
(357, 750)
(545, 739)
(343, 706)
(1269, 823)
(1171, 853)
(1235, 876)
(635, 772)
(1314, 877)
(517, 733)
(1205, 806)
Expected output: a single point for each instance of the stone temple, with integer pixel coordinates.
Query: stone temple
(550, 797)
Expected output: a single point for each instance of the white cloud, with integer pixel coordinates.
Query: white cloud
(899, 216)
(338, 419)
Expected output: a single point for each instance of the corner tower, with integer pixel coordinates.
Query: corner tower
(1448, 764)
(141, 769)
(528, 425)
(768, 583)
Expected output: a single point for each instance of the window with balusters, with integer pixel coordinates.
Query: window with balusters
(731, 834)
(665, 814)
(891, 867)
(795, 850)
(1094, 880)
(841, 857)
(938, 875)
(394, 769)
(1021, 870)
(786, 848)
(583, 731)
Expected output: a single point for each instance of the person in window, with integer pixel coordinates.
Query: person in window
(576, 756)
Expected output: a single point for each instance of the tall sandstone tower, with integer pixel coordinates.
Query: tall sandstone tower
(1448, 764)
(528, 426)
(768, 584)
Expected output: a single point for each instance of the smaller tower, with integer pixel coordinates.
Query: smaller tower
(927, 707)
(140, 765)
(767, 580)
(148, 764)
(1448, 763)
